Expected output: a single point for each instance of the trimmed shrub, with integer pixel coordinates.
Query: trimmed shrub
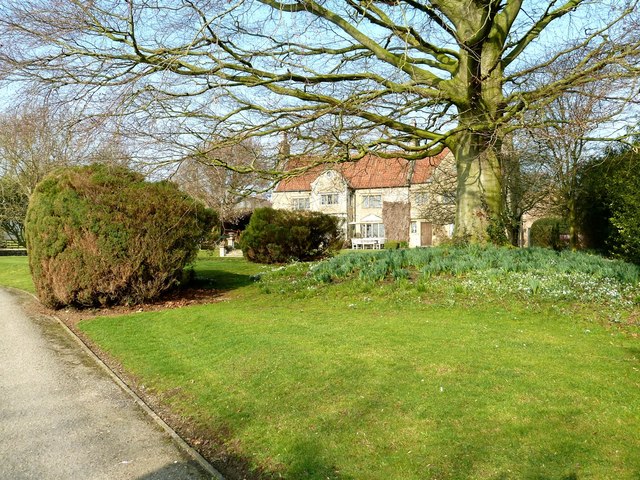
(391, 245)
(550, 233)
(279, 236)
(100, 235)
(395, 244)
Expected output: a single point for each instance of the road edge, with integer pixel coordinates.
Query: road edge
(180, 442)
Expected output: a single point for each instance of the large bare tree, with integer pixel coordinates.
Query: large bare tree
(343, 77)
(527, 183)
(226, 190)
(562, 135)
(36, 138)
(565, 140)
(33, 141)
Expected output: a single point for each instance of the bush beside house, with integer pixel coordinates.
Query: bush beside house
(395, 244)
(279, 236)
(101, 235)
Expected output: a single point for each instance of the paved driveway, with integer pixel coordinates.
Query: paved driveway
(62, 416)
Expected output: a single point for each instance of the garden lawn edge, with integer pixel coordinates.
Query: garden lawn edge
(106, 365)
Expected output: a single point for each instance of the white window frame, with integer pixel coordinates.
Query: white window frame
(414, 227)
(329, 199)
(297, 201)
(372, 201)
(372, 230)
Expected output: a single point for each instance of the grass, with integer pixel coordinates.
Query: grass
(224, 273)
(406, 378)
(14, 272)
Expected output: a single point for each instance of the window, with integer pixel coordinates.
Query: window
(421, 198)
(372, 201)
(371, 230)
(449, 198)
(329, 199)
(300, 203)
(414, 227)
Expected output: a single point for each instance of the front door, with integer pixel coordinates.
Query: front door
(426, 234)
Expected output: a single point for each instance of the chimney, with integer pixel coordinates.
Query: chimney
(284, 150)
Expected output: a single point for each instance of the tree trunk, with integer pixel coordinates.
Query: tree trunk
(479, 196)
(514, 231)
(572, 221)
(480, 202)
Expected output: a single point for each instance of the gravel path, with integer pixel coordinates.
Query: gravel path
(63, 417)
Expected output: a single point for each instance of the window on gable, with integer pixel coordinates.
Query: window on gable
(329, 199)
(372, 201)
(301, 203)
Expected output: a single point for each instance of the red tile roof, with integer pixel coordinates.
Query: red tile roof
(369, 172)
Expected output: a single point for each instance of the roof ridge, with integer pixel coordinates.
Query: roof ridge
(371, 171)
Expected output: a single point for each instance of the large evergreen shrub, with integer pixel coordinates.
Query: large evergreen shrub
(609, 204)
(278, 236)
(101, 235)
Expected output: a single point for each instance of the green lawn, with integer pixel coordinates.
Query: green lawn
(385, 382)
(14, 272)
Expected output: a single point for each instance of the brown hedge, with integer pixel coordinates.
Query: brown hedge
(101, 235)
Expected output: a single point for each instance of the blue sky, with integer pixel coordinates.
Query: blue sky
(158, 26)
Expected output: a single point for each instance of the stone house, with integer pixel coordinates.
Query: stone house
(378, 199)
